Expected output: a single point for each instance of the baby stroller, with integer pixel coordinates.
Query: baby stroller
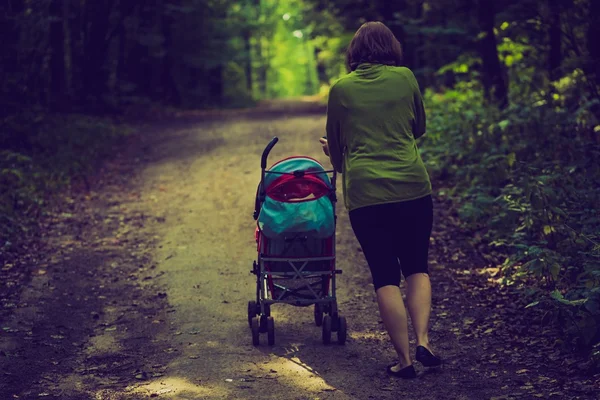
(295, 236)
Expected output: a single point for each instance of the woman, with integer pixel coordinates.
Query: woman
(374, 115)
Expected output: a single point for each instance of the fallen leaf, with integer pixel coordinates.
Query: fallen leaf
(141, 376)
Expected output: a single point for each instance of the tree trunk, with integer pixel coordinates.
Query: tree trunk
(12, 96)
(95, 73)
(592, 41)
(495, 87)
(76, 51)
(248, 49)
(215, 84)
(312, 79)
(56, 97)
(387, 13)
(416, 59)
(168, 85)
(67, 50)
(593, 65)
(321, 67)
(264, 66)
(261, 69)
(555, 36)
(137, 55)
(121, 57)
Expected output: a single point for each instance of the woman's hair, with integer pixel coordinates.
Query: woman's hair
(373, 43)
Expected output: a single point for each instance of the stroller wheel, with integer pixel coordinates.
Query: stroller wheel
(318, 314)
(335, 322)
(342, 330)
(263, 323)
(271, 330)
(251, 312)
(326, 329)
(255, 331)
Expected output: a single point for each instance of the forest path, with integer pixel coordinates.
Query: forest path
(157, 280)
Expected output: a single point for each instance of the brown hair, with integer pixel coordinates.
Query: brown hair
(373, 43)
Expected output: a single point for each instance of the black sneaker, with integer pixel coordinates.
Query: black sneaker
(406, 372)
(425, 357)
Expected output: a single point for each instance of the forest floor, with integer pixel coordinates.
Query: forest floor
(139, 289)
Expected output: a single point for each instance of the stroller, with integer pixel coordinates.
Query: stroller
(295, 236)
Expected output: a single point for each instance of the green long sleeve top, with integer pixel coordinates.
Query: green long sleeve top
(374, 115)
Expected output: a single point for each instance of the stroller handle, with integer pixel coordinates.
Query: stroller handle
(265, 154)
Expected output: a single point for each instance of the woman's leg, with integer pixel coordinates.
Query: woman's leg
(374, 232)
(413, 257)
(418, 301)
(393, 313)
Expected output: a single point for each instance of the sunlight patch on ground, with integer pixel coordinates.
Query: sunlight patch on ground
(293, 372)
(176, 388)
(373, 336)
(105, 343)
(494, 274)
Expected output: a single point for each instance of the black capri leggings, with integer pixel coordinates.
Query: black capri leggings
(394, 238)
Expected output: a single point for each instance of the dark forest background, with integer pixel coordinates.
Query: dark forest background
(511, 89)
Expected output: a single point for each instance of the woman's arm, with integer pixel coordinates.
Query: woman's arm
(332, 126)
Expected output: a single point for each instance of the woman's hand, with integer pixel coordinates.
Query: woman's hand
(325, 146)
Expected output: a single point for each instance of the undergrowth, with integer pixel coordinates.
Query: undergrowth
(41, 154)
(527, 179)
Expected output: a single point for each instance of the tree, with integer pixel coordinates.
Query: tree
(593, 33)
(60, 73)
(555, 38)
(494, 84)
(95, 49)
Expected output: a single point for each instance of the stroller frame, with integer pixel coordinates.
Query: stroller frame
(317, 287)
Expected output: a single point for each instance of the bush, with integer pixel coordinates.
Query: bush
(529, 178)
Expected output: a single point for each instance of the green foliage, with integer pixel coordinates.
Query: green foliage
(291, 65)
(528, 177)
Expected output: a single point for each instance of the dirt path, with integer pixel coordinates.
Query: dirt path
(147, 298)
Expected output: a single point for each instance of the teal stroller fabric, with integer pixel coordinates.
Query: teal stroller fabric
(297, 202)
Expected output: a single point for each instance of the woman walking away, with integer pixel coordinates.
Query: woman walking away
(374, 115)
